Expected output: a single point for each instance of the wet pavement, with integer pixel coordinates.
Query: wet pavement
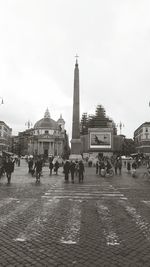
(102, 222)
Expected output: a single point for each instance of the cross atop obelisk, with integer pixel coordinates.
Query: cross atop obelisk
(76, 56)
(76, 141)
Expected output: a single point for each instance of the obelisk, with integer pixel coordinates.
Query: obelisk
(76, 141)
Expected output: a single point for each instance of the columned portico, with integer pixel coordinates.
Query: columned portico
(45, 147)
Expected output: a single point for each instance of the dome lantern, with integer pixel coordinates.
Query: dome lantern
(47, 114)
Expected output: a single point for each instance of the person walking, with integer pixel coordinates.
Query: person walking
(116, 165)
(134, 167)
(120, 165)
(18, 161)
(9, 168)
(128, 166)
(30, 165)
(97, 165)
(51, 165)
(66, 170)
(38, 169)
(101, 167)
(76, 168)
(56, 167)
(72, 170)
(81, 171)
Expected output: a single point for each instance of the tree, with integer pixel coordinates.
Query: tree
(66, 148)
(99, 119)
(128, 146)
(96, 121)
(100, 112)
(84, 124)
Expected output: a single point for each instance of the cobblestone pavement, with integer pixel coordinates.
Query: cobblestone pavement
(102, 222)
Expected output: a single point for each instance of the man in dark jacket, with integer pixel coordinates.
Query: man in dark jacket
(81, 171)
(51, 165)
(66, 170)
(72, 170)
(30, 165)
(38, 169)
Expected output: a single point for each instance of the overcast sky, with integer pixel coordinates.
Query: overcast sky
(38, 42)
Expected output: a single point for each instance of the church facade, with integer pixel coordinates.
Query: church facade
(46, 138)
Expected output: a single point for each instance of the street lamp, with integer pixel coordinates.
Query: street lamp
(28, 124)
(2, 101)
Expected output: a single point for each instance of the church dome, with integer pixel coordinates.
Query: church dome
(46, 122)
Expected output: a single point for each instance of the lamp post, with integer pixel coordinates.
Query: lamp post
(2, 101)
(120, 125)
(28, 124)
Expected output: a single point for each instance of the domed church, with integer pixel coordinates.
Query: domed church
(48, 136)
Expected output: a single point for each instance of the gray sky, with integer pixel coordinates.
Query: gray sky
(38, 42)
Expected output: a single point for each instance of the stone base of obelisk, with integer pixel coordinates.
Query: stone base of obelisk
(75, 150)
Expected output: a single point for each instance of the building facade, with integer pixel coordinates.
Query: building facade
(47, 137)
(5, 137)
(142, 138)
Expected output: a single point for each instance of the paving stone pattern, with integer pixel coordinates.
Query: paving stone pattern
(102, 222)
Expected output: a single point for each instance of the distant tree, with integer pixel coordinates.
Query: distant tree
(84, 124)
(99, 119)
(128, 146)
(100, 112)
(66, 148)
(96, 121)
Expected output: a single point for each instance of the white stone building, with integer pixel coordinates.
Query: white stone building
(47, 136)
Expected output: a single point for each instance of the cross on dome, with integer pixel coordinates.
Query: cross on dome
(47, 114)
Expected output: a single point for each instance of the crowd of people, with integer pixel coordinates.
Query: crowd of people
(75, 168)
(72, 169)
(104, 165)
(35, 167)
